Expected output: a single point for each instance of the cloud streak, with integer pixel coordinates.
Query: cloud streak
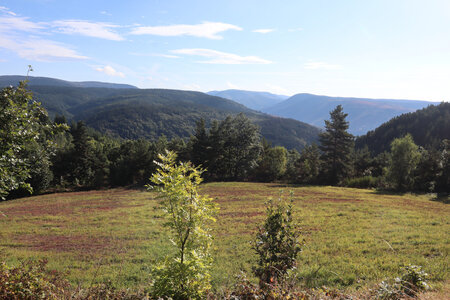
(224, 58)
(86, 28)
(209, 30)
(39, 49)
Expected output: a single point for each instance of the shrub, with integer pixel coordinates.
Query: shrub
(31, 280)
(276, 243)
(186, 275)
(410, 284)
(364, 182)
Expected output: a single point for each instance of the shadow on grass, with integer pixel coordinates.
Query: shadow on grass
(444, 198)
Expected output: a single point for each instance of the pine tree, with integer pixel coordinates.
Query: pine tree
(337, 145)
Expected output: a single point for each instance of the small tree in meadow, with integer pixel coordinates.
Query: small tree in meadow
(186, 274)
(276, 243)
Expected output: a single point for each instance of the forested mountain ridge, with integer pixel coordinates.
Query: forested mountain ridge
(6, 80)
(427, 126)
(363, 114)
(251, 99)
(150, 113)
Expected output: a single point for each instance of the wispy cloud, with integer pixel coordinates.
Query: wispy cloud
(39, 49)
(21, 36)
(9, 23)
(208, 30)
(218, 57)
(268, 30)
(320, 65)
(108, 70)
(7, 11)
(87, 28)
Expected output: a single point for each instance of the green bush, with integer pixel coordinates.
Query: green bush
(276, 243)
(364, 182)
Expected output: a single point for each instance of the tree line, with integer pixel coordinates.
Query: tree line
(44, 155)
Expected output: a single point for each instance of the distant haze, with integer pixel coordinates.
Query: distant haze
(363, 114)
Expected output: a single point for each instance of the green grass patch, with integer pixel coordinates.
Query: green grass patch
(353, 237)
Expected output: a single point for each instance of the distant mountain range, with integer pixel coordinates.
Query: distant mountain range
(133, 113)
(363, 114)
(47, 81)
(253, 100)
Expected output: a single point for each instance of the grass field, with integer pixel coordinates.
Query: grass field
(354, 238)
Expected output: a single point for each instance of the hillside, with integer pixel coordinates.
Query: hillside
(253, 100)
(428, 127)
(363, 114)
(150, 113)
(6, 80)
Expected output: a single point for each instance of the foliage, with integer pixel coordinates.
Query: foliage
(235, 148)
(31, 280)
(336, 145)
(308, 166)
(443, 178)
(272, 164)
(276, 243)
(404, 158)
(186, 275)
(22, 123)
(365, 182)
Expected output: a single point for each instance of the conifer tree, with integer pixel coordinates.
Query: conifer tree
(336, 145)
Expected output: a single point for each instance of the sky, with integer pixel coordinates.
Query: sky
(396, 49)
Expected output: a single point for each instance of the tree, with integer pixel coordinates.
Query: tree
(336, 145)
(186, 275)
(273, 163)
(309, 165)
(235, 148)
(22, 122)
(276, 243)
(403, 161)
(200, 145)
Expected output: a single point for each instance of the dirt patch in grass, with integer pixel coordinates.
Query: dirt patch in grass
(39, 209)
(64, 243)
(36, 209)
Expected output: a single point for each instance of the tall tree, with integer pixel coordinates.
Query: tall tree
(337, 145)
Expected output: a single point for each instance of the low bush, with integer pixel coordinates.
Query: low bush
(31, 280)
(364, 182)
(409, 285)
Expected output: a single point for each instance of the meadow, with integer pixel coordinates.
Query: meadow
(353, 238)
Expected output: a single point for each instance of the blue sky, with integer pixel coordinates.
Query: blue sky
(378, 49)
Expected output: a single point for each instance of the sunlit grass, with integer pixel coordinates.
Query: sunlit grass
(353, 238)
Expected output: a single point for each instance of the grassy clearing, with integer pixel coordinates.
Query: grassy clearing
(353, 238)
